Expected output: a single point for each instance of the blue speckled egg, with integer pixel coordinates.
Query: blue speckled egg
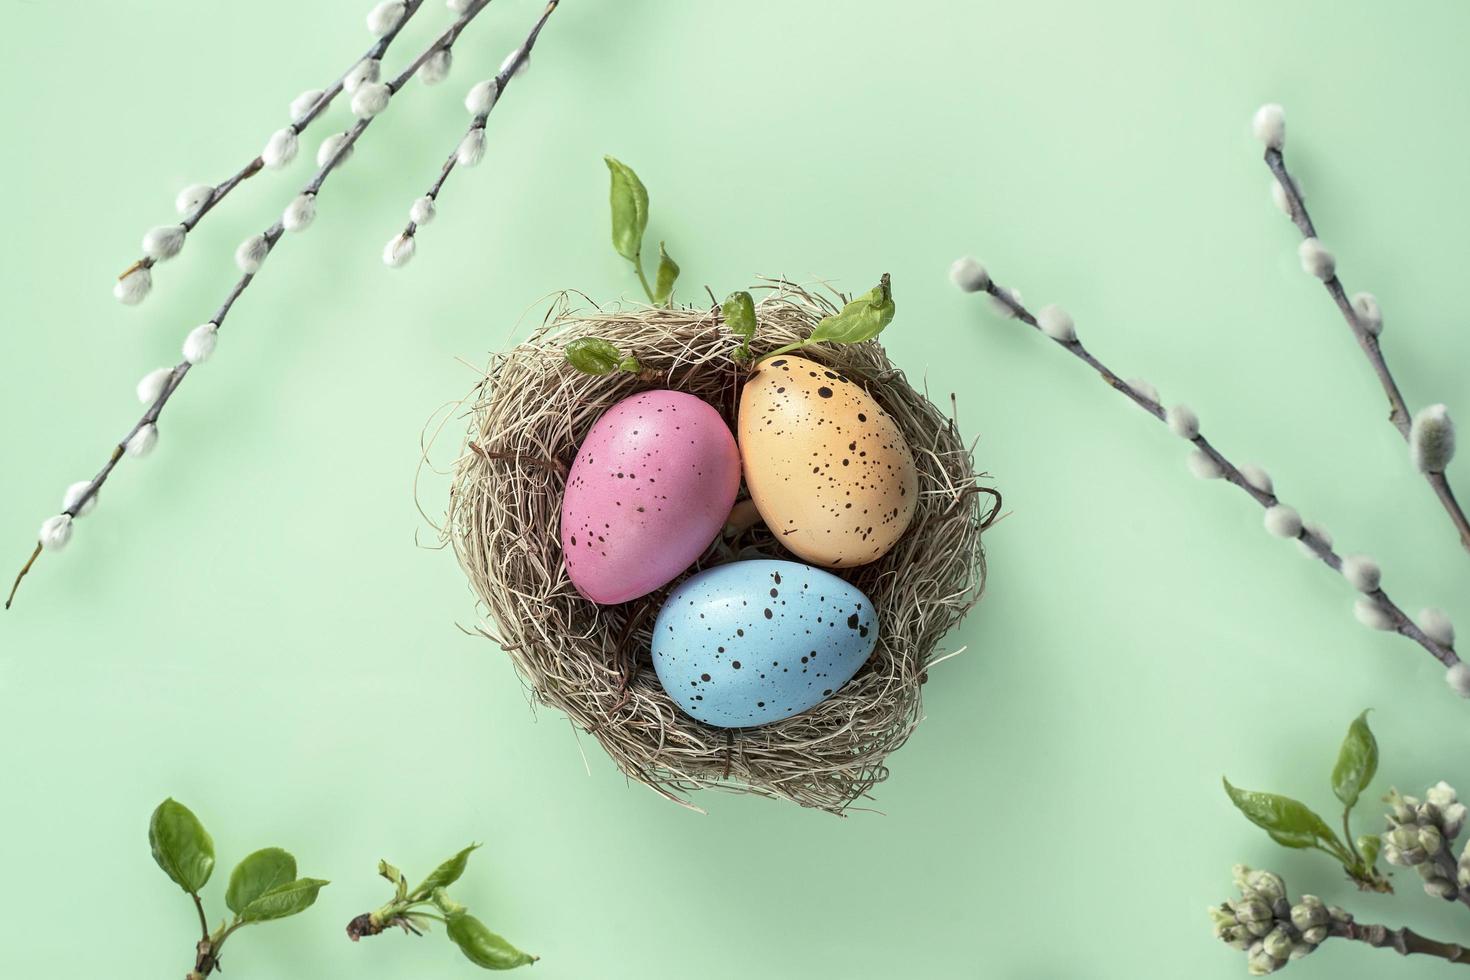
(753, 642)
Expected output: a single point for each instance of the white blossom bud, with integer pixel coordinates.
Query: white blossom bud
(1367, 313)
(300, 213)
(422, 211)
(481, 98)
(55, 532)
(969, 275)
(1362, 573)
(200, 343)
(472, 148)
(1203, 466)
(370, 99)
(1183, 421)
(281, 148)
(1437, 626)
(73, 497)
(1313, 528)
(510, 60)
(1003, 308)
(1257, 478)
(164, 242)
(366, 70)
(1371, 614)
(399, 250)
(131, 289)
(385, 17)
(153, 384)
(1458, 678)
(304, 103)
(1056, 323)
(143, 441)
(458, 6)
(192, 198)
(250, 256)
(1432, 439)
(1269, 125)
(1316, 259)
(1441, 794)
(1283, 521)
(436, 66)
(329, 148)
(1280, 198)
(1145, 389)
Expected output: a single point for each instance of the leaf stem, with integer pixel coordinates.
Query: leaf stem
(647, 289)
(1347, 835)
(203, 922)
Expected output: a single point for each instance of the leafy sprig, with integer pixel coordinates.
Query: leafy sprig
(263, 887)
(862, 319)
(593, 355)
(629, 200)
(413, 909)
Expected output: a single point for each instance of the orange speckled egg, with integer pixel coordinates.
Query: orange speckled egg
(827, 468)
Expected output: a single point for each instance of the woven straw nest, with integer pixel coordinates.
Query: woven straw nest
(527, 418)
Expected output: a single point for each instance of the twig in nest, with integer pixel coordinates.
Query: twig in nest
(554, 465)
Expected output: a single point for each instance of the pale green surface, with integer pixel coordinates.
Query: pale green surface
(246, 622)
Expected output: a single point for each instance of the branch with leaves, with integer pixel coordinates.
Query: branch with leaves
(263, 887)
(414, 909)
(1430, 433)
(629, 200)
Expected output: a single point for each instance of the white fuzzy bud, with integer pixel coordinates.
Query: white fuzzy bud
(1003, 308)
(143, 441)
(1257, 478)
(1367, 313)
(385, 17)
(969, 275)
(371, 99)
(200, 344)
(481, 98)
(192, 198)
(55, 532)
(436, 66)
(153, 383)
(1437, 626)
(73, 497)
(329, 148)
(1269, 125)
(366, 70)
(422, 211)
(1183, 421)
(250, 256)
(458, 6)
(1056, 323)
(1432, 439)
(399, 250)
(1368, 612)
(304, 103)
(1458, 678)
(1362, 573)
(1145, 389)
(472, 148)
(1280, 198)
(281, 148)
(164, 242)
(300, 213)
(1317, 530)
(1203, 466)
(131, 289)
(1316, 259)
(1283, 521)
(510, 60)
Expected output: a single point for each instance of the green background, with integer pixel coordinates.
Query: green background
(256, 622)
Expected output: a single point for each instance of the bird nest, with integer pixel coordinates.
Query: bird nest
(527, 418)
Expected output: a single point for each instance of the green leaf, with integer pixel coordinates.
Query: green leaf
(862, 319)
(257, 874)
(181, 846)
(283, 900)
(738, 312)
(1290, 824)
(483, 947)
(663, 282)
(400, 883)
(629, 365)
(1369, 846)
(593, 355)
(1357, 762)
(629, 199)
(446, 904)
(444, 875)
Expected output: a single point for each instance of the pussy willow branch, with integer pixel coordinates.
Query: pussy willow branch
(298, 126)
(1402, 624)
(272, 236)
(1403, 941)
(1399, 413)
(502, 80)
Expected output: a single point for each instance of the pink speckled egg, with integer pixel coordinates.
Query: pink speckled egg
(650, 488)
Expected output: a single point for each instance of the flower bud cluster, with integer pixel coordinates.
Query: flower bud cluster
(1421, 835)
(1267, 926)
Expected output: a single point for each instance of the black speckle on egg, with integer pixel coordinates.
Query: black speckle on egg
(824, 391)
